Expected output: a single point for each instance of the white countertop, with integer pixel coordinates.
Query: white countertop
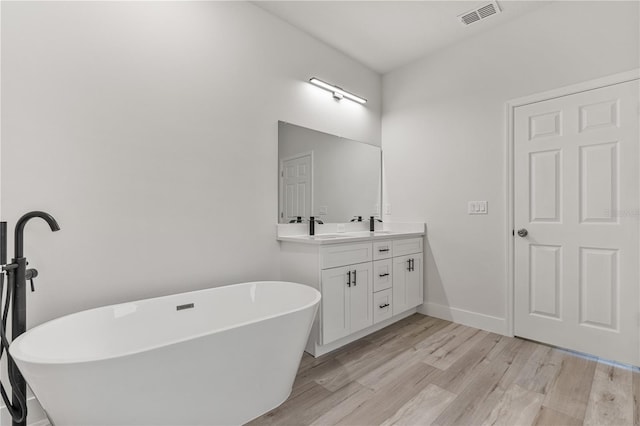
(327, 234)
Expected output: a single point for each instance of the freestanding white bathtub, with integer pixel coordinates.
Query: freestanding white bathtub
(221, 356)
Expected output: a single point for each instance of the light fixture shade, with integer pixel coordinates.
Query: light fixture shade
(338, 92)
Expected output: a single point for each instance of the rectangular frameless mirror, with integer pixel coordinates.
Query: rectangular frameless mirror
(326, 176)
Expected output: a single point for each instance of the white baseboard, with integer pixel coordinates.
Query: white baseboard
(460, 316)
(36, 416)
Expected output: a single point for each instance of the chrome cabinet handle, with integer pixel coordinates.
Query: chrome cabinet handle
(523, 232)
(383, 275)
(354, 277)
(383, 249)
(384, 306)
(349, 279)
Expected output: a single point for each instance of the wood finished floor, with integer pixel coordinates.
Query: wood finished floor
(427, 371)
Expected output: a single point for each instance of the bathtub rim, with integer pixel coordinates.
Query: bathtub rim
(20, 356)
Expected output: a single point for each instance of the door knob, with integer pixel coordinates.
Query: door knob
(523, 232)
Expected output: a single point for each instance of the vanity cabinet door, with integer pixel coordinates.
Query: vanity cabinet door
(361, 296)
(335, 303)
(407, 282)
(415, 287)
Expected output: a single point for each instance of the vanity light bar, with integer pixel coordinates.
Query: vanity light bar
(338, 93)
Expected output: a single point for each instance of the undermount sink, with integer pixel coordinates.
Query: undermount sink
(356, 234)
(326, 236)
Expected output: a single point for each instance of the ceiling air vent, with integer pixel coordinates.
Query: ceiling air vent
(483, 12)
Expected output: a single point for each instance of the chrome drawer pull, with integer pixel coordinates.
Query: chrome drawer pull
(383, 249)
(383, 275)
(384, 306)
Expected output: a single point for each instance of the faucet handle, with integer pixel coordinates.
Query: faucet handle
(30, 275)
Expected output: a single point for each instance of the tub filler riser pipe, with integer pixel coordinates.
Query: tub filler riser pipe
(19, 325)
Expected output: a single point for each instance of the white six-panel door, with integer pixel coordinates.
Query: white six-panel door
(576, 193)
(296, 175)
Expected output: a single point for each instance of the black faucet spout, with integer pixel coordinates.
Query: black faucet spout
(22, 222)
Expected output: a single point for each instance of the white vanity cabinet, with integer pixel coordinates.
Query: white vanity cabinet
(346, 300)
(365, 285)
(407, 274)
(407, 282)
(346, 284)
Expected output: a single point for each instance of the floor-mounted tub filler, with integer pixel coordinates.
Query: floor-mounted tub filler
(218, 356)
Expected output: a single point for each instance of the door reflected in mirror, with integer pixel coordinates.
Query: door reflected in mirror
(326, 176)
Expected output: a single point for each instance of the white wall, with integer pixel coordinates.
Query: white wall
(149, 130)
(443, 137)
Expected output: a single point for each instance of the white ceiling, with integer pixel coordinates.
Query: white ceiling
(385, 35)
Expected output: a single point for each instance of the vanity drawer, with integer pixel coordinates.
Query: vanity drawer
(345, 254)
(382, 249)
(382, 274)
(407, 246)
(382, 306)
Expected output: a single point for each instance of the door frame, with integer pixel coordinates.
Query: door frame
(281, 180)
(510, 107)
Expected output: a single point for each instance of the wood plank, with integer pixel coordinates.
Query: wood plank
(518, 406)
(423, 328)
(354, 369)
(515, 358)
(310, 394)
(308, 361)
(388, 399)
(422, 409)
(569, 393)
(345, 407)
(636, 397)
(541, 369)
(524, 352)
(476, 401)
(389, 332)
(358, 363)
(387, 372)
(550, 417)
(611, 398)
(307, 406)
(331, 365)
(497, 380)
(448, 346)
(464, 370)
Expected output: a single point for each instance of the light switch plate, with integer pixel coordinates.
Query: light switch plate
(387, 208)
(478, 207)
